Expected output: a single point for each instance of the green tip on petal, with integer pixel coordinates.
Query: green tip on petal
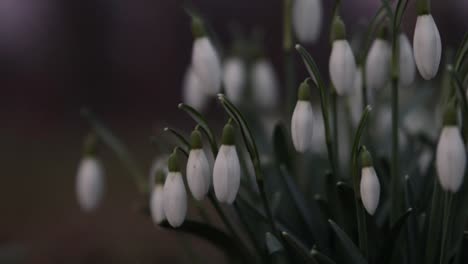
(173, 162)
(159, 177)
(338, 29)
(304, 91)
(450, 115)
(383, 32)
(228, 135)
(198, 29)
(423, 7)
(90, 144)
(366, 158)
(196, 140)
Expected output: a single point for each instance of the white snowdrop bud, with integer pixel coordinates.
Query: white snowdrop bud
(192, 91)
(370, 186)
(226, 172)
(198, 168)
(205, 60)
(407, 66)
(427, 45)
(157, 199)
(378, 62)
(234, 77)
(265, 84)
(90, 183)
(175, 197)
(302, 119)
(307, 19)
(342, 65)
(450, 155)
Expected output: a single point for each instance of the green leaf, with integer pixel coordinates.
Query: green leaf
(351, 249)
(460, 90)
(275, 249)
(299, 248)
(321, 258)
(179, 136)
(118, 147)
(434, 232)
(399, 12)
(282, 149)
(392, 238)
(461, 53)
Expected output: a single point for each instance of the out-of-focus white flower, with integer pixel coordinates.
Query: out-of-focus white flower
(318, 134)
(378, 64)
(175, 197)
(265, 84)
(234, 77)
(342, 65)
(159, 166)
(198, 168)
(427, 46)
(370, 185)
(407, 66)
(355, 98)
(90, 183)
(450, 155)
(307, 19)
(226, 172)
(302, 120)
(424, 161)
(192, 91)
(207, 65)
(157, 204)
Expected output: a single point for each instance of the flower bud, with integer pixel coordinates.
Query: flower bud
(157, 199)
(370, 186)
(407, 66)
(192, 91)
(234, 77)
(175, 197)
(302, 120)
(307, 19)
(378, 63)
(90, 183)
(427, 46)
(198, 168)
(265, 84)
(450, 155)
(206, 64)
(226, 172)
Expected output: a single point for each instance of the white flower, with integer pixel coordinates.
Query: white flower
(302, 120)
(427, 46)
(206, 65)
(342, 67)
(370, 189)
(450, 159)
(192, 91)
(265, 84)
(234, 77)
(90, 183)
(157, 204)
(175, 199)
(407, 66)
(226, 172)
(198, 168)
(318, 134)
(307, 19)
(378, 64)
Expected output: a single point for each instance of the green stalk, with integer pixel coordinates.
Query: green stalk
(334, 108)
(448, 197)
(288, 56)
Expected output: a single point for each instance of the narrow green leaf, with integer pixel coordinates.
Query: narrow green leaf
(275, 249)
(321, 258)
(399, 12)
(434, 232)
(392, 238)
(461, 53)
(351, 249)
(460, 90)
(179, 136)
(299, 248)
(282, 149)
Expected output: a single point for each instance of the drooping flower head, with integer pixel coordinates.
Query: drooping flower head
(307, 19)
(234, 78)
(302, 119)
(378, 61)
(370, 185)
(198, 168)
(175, 196)
(157, 198)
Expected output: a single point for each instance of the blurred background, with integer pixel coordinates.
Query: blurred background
(125, 60)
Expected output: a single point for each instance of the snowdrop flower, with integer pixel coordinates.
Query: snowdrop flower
(205, 60)
(234, 77)
(198, 168)
(302, 118)
(370, 186)
(342, 65)
(318, 134)
(157, 199)
(90, 183)
(192, 91)
(426, 42)
(175, 197)
(450, 155)
(378, 62)
(265, 84)
(407, 66)
(226, 172)
(307, 19)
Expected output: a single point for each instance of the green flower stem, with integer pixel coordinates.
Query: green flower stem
(250, 233)
(179, 137)
(334, 108)
(288, 56)
(448, 198)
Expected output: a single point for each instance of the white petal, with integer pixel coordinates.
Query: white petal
(307, 19)
(370, 189)
(207, 66)
(265, 84)
(159, 164)
(157, 204)
(302, 126)
(407, 66)
(175, 199)
(427, 46)
(90, 183)
(378, 64)
(450, 159)
(342, 67)
(226, 174)
(198, 173)
(234, 79)
(318, 134)
(192, 93)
